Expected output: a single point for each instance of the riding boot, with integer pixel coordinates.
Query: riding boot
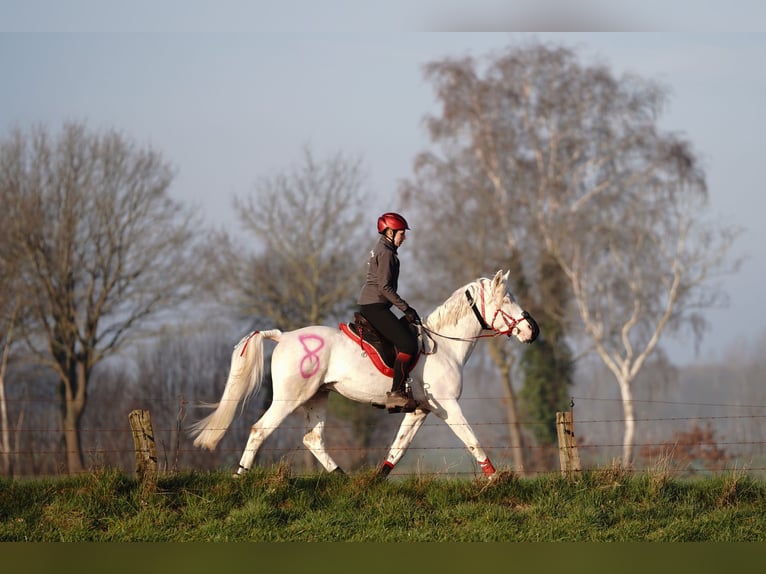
(400, 399)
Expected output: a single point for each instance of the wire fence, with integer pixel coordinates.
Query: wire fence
(679, 437)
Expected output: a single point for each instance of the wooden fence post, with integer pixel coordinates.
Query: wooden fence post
(569, 457)
(146, 453)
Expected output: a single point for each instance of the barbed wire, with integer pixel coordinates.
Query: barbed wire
(199, 403)
(524, 422)
(107, 436)
(329, 427)
(362, 449)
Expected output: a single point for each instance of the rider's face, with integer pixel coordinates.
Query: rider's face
(399, 237)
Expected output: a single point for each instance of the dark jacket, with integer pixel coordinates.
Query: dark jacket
(382, 277)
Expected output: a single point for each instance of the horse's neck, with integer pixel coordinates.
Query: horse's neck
(460, 335)
(466, 327)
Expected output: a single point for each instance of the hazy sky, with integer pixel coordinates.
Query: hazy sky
(231, 91)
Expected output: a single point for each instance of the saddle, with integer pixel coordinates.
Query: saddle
(380, 350)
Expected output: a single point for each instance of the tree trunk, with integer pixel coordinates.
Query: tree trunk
(504, 364)
(630, 422)
(5, 435)
(74, 459)
(514, 428)
(74, 404)
(5, 438)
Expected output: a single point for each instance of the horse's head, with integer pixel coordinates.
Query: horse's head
(497, 310)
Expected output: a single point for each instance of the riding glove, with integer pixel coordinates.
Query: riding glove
(412, 316)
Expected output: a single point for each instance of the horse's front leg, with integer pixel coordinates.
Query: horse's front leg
(452, 414)
(407, 431)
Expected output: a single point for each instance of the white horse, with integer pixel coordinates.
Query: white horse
(310, 362)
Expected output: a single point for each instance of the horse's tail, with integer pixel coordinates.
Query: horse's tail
(245, 376)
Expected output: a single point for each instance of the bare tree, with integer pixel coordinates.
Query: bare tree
(304, 265)
(102, 251)
(569, 163)
(648, 268)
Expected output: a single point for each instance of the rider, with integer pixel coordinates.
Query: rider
(379, 294)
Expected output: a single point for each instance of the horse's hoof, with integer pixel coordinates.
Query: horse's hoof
(239, 472)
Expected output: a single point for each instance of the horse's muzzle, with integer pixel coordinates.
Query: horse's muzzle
(533, 325)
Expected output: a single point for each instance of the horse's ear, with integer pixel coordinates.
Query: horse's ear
(498, 280)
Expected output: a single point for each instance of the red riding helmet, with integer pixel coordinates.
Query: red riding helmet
(393, 221)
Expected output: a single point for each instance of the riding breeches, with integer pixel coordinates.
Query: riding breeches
(395, 330)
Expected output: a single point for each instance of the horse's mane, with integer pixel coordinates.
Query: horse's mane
(451, 311)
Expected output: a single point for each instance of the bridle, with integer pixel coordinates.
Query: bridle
(509, 321)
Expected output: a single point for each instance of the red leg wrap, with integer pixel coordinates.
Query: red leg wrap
(487, 467)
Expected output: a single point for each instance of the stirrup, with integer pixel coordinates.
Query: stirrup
(400, 402)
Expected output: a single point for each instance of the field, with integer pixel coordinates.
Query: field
(270, 505)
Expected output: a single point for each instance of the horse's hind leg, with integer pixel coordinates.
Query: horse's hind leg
(315, 410)
(261, 430)
(407, 431)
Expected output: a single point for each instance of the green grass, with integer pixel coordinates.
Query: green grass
(270, 505)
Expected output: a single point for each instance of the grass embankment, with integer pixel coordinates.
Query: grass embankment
(270, 505)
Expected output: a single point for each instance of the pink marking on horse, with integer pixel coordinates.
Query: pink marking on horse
(312, 355)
